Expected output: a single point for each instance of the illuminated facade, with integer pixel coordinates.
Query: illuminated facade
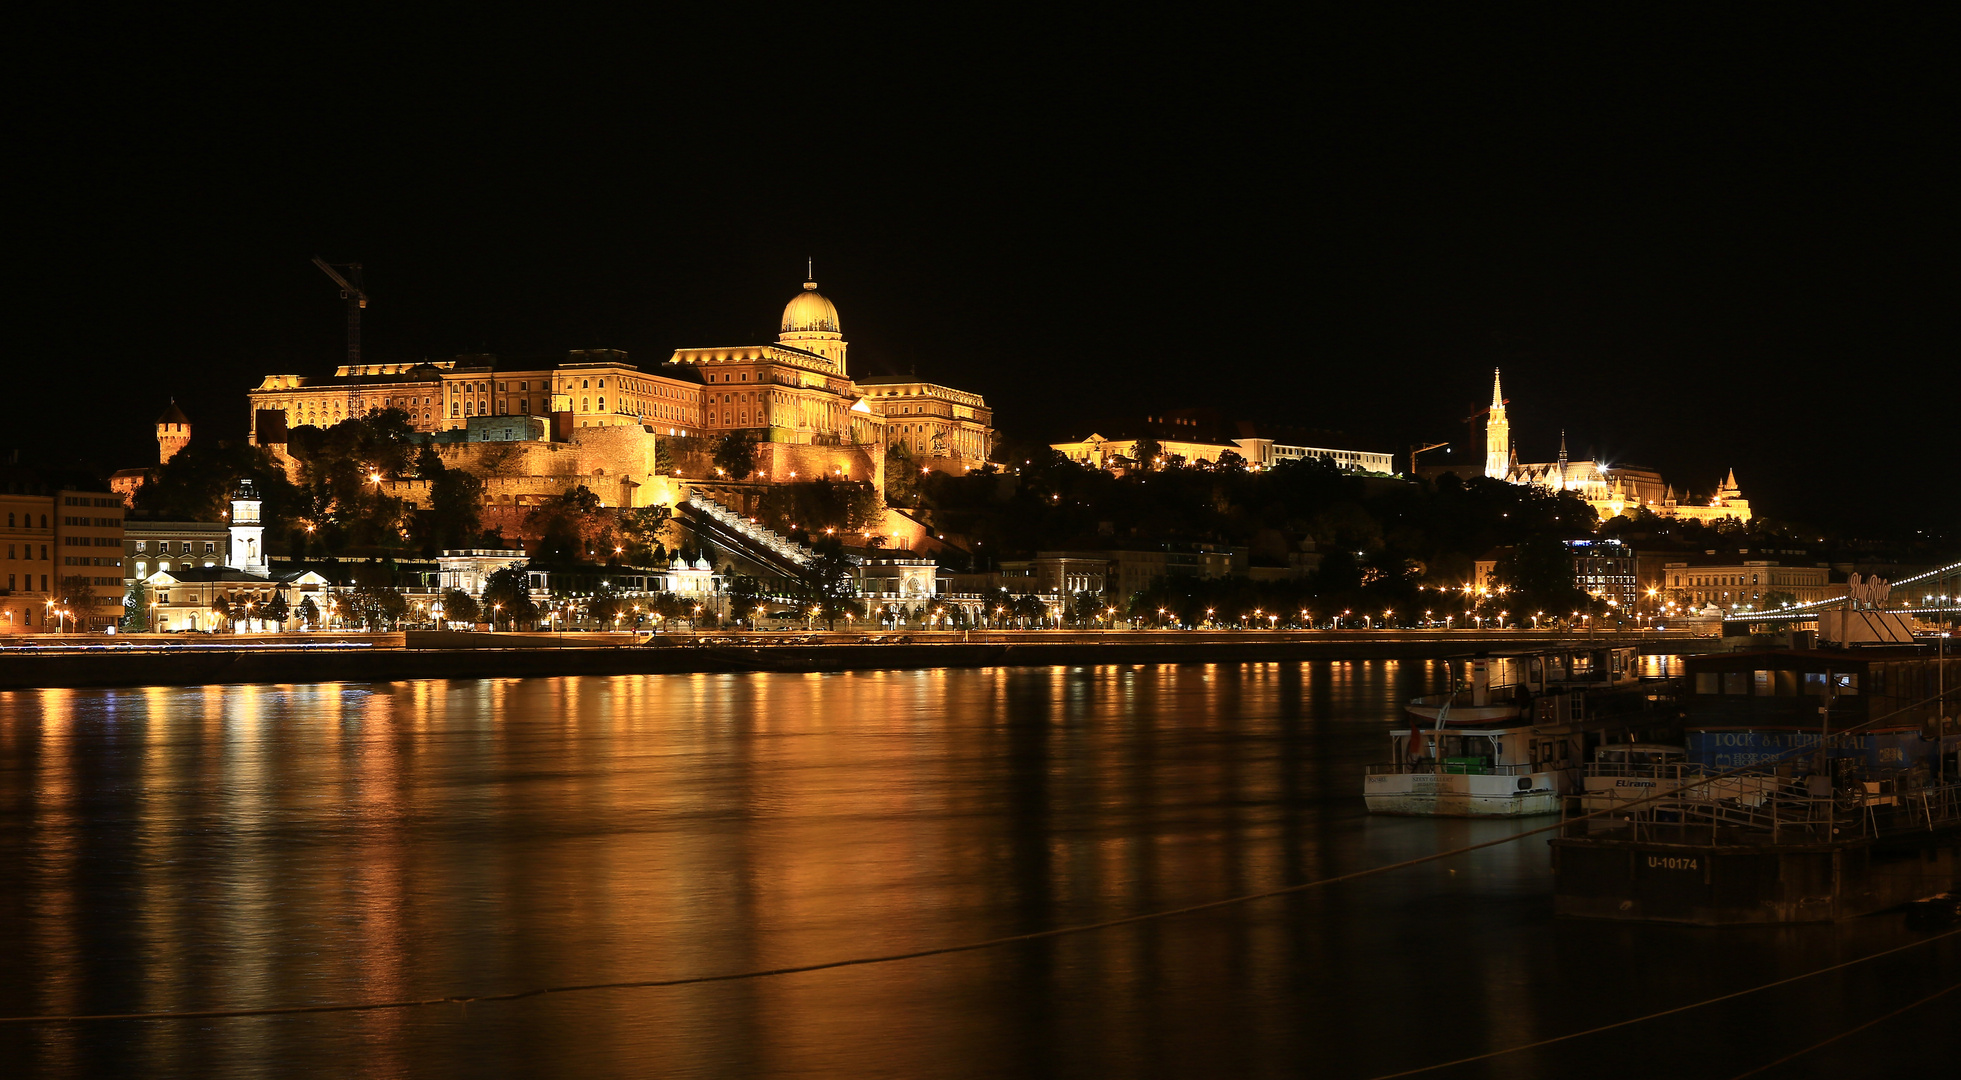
(62, 567)
(592, 388)
(1100, 452)
(797, 392)
(1610, 490)
(184, 596)
(1746, 583)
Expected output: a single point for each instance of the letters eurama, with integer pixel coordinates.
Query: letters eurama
(1732, 749)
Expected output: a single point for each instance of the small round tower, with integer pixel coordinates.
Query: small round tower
(173, 432)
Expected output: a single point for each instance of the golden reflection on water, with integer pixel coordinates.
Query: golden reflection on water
(270, 845)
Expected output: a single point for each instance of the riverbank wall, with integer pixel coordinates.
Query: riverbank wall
(439, 655)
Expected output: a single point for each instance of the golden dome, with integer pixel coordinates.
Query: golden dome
(810, 311)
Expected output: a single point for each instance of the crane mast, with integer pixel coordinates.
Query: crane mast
(350, 291)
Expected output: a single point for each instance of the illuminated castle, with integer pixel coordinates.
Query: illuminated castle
(1610, 490)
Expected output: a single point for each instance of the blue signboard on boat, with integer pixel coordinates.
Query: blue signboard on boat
(1881, 751)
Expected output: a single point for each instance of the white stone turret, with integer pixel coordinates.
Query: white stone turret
(248, 549)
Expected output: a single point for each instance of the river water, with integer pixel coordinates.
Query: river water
(227, 847)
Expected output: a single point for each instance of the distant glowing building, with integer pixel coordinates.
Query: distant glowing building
(1610, 490)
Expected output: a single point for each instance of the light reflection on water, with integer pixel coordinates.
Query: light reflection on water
(238, 846)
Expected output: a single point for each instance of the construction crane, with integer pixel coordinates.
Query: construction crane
(1414, 450)
(350, 291)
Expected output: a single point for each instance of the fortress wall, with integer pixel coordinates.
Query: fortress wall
(616, 449)
(777, 461)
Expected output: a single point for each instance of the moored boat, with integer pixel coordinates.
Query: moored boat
(1510, 736)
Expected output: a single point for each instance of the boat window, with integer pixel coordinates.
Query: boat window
(1762, 683)
(1848, 685)
(1705, 683)
(1814, 683)
(1787, 684)
(1736, 682)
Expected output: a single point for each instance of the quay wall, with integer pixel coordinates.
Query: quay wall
(436, 655)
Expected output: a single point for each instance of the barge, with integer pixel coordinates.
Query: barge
(1763, 815)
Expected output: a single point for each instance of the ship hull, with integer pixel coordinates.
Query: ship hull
(1456, 795)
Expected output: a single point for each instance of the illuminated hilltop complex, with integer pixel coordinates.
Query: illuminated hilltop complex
(532, 430)
(1611, 490)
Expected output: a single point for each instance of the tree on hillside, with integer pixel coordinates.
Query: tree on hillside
(638, 534)
(902, 487)
(196, 484)
(454, 517)
(736, 456)
(565, 524)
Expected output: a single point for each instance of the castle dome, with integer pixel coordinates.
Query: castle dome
(810, 311)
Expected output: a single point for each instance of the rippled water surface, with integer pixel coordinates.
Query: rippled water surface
(249, 846)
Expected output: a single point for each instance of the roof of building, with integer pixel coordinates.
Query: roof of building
(173, 415)
(193, 575)
(810, 311)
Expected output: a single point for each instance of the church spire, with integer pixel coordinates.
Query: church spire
(1497, 435)
(1562, 459)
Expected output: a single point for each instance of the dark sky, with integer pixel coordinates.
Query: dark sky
(1698, 245)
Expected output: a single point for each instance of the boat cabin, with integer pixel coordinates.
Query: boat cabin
(1488, 751)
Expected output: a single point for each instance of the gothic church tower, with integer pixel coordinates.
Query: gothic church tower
(1497, 435)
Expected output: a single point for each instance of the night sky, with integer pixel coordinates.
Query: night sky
(1693, 245)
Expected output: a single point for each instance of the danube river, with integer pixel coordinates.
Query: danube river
(238, 847)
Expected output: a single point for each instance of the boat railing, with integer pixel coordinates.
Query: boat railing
(1758, 808)
(1461, 699)
(1450, 768)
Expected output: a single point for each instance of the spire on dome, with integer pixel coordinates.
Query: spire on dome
(1730, 484)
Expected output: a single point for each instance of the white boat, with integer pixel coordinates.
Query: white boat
(1508, 742)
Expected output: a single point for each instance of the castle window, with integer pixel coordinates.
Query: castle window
(602, 401)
